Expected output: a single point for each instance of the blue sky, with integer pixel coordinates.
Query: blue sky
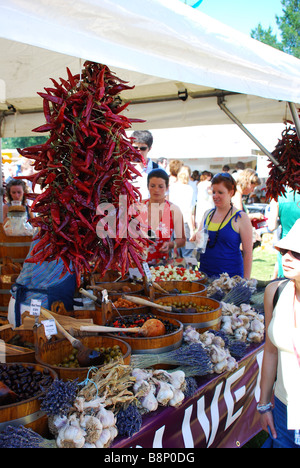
(243, 15)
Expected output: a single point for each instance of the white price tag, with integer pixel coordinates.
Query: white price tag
(50, 327)
(35, 307)
(134, 273)
(191, 261)
(147, 271)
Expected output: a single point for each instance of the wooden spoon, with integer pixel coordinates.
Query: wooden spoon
(86, 357)
(140, 301)
(151, 328)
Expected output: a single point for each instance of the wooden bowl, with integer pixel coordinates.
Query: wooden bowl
(157, 344)
(25, 336)
(79, 314)
(201, 320)
(117, 289)
(110, 275)
(51, 354)
(27, 412)
(185, 287)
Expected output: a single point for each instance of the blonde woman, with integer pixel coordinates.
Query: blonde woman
(246, 182)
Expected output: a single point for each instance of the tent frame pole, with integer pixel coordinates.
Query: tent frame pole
(296, 117)
(225, 109)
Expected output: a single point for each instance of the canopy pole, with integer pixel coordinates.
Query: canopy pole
(296, 117)
(244, 129)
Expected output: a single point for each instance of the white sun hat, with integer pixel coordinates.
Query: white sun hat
(292, 240)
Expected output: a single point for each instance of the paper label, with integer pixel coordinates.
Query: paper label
(50, 327)
(35, 307)
(147, 271)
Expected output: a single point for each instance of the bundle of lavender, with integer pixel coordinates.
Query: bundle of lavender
(191, 356)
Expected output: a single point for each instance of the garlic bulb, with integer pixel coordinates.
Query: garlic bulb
(103, 439)
(217, 354)
(92, 427)
(177, 379)
(106, 417)
(149, 402)
(55, 423)
(165, 392)
(220, 366)
(241, 334)
(190, 335)
(71, 436)
(178, 397)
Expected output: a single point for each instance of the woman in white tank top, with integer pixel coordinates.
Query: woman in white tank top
(281, 362)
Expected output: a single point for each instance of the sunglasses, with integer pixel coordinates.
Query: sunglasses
(141, 148)
(294, 254)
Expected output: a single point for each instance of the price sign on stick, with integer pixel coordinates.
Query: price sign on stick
(35, 307)
(147, 271)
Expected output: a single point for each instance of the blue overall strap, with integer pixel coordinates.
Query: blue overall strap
(20, 290)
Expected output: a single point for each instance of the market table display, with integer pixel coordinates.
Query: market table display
(221, 413)
(197, 395)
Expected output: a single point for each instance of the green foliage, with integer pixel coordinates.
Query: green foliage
(22, 142)
(289, 26)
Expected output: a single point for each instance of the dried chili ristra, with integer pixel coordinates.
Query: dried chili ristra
(287, 172)
(87, 159)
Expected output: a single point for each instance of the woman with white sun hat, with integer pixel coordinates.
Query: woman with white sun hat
(281, 362)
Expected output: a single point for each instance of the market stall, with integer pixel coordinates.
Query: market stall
(85, 170)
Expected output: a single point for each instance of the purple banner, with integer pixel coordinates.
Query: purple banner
(221, 414)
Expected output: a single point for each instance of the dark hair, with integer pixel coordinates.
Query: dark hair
(14, 182)
(226, 179)
(160, 173)
(143, 136)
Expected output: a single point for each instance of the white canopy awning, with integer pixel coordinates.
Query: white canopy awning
(180, 60)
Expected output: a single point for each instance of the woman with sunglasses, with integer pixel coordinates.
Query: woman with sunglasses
(281, 362)
(227, 229)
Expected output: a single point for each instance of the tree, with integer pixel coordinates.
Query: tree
(289, 26)
(22, 142)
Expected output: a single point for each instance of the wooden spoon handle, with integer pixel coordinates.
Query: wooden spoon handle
(159, 288)
(140, 301)
(103, 329)
(46, 313)
(90, 296)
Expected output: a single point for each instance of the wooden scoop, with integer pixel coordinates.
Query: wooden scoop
(140, 301)
(86, 357)
(90, 296)
(151, 328)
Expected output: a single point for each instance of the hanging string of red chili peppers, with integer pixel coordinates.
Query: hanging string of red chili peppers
(287, 153)
(87, 160)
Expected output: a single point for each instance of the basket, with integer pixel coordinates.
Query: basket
(52, 353)
(110, 276)
(25, 336)
(27, 412)
(15, 247)
(185, 287)
(117, 289)
(6, 282)
(202, 321)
